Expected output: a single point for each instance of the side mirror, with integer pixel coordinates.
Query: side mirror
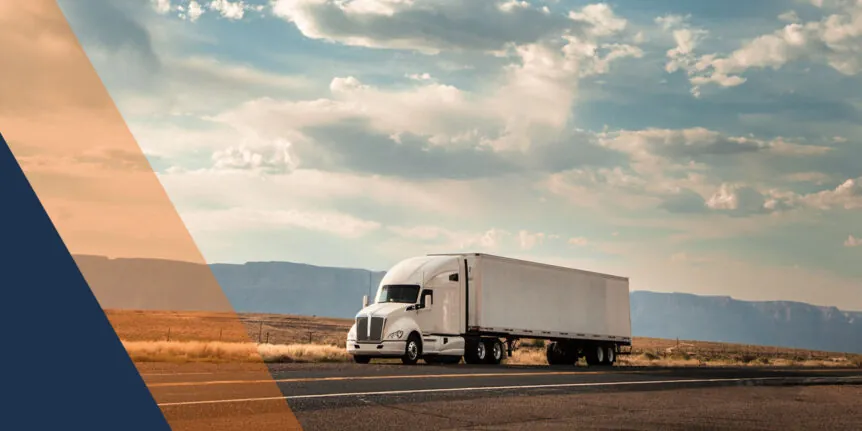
(364, 301)
(423, 303)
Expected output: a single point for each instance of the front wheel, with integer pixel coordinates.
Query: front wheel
(361, 359)
(412, 351)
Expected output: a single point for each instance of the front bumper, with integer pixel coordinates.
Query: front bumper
(385, 348)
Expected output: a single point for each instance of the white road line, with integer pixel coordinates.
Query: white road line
(484, 388)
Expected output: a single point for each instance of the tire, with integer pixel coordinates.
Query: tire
(412, 351)
(361, 359)
(558, 354)
(476, 352)
(595, 354)
(610, 355)
(495, 351)
(553, 354)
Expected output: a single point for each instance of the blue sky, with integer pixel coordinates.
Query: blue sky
(701, 147)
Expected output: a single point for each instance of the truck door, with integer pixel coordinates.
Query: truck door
(439, 313)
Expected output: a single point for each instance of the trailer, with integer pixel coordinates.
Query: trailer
(444, 307)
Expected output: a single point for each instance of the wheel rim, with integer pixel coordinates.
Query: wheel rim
(481, 350)
(600, 355)
(412, 350)
(498, 351)
(610, 354)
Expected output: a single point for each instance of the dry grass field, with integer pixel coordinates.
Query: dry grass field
(163, 336)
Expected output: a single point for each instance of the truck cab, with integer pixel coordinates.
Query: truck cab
(417, 312)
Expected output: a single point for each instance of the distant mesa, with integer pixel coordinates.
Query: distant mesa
(303, 289)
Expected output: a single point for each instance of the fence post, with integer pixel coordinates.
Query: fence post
(267, 337)
(260, 331)
(169, 333)
(219, 334)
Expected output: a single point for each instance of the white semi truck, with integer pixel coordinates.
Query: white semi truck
(442, 307)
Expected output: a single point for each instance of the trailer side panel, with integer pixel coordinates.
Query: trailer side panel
(529, 299)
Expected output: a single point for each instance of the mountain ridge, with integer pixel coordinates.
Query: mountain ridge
(306, 289)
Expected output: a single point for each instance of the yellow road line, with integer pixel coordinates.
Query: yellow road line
(344, 378)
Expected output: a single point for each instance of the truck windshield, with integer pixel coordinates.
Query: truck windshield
(403, 293)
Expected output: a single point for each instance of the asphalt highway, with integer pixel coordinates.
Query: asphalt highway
(382, 396)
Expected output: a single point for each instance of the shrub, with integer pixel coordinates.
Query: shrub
(679, 355)
(650, 356)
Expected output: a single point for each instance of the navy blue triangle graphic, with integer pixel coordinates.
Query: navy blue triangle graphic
(63, 365)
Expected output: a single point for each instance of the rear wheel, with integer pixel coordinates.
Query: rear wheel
(595, 354)
(495, 349)
(610, 355)
(476, 352)
(561, 354)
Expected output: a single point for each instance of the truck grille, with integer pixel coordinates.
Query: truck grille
(362, 333)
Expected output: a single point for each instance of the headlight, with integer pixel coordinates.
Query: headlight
(396, 335)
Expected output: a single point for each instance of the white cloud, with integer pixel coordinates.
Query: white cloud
(687, 38)
(301, 188)
(835, 40)
(669, 22)
(603, 190)
(848, 196)
(789, 16)
(162, 6)
(687, 258)
(737, 198)
(200, 84)
(230, 10)
(666, 170)
(852, 241)
(699, 141)
(511, 5)
(578, 241)
(528, 240)
(808, 177)
(431, 26)
(195, 10)
(451, 240)
(276, 158)
(419, 76)
(601, 18)
(530, 105)
(247, 219)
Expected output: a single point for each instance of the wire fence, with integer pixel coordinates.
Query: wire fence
(262, 331)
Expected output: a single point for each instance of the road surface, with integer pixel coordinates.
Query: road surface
(383, 397)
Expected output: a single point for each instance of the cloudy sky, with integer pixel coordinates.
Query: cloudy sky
(704, 147)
